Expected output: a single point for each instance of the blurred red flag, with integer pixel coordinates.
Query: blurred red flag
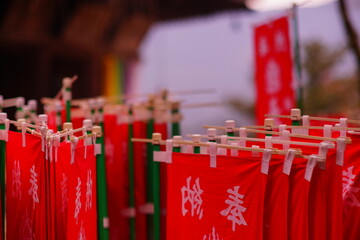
(62, 175)
(273, 69)
(334, 203)
(325, 194)
(298, 214)
(82, 204)
(116, 150)
(276, 197)
(225, 202)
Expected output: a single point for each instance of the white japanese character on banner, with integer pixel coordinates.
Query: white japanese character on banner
(212, 236)
(82, 235)
(272, 77)
(109, 149)
(33, 191)
(280, 41)
(16, 180)
(193, 196)
(89, 184)
(77, 201)
(26, 227)
(263, 46)
(64, 193)
(288, 103)
(235, 210)
(349, 190)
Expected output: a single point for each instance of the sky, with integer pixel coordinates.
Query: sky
(268, 5)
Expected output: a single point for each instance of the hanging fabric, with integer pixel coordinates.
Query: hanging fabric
(82, 201)
(25, 192)
(116, 144)
(226, 201)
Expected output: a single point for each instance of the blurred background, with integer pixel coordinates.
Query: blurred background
(143, 46)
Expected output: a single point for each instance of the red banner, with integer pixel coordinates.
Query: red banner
(334, 201)
(62, 175)
(25, 192)
(77, 121)
(273, 69)
(318, 201)
(351, 189)
(162, 128)
(82, 204)
(225, 202)
(276, 200)
(325, 203)
(298, 220)
(116, 150)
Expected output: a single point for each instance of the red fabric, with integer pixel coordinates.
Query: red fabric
(52, 120)
(162, 128)
(276, 200)
(298, 214)
(322, 123)
(209, 191)
(50, 194)
(351, 189)
(116, 150)
(25, 194)
(321, 188)
(275, 93)
(317, 205)
(325, 196)
(77, 122)
(334, 201)
(82, 204)
(140, 180)
(62, 176)
(318, 193)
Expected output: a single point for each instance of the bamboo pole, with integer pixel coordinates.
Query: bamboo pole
(20, 102)
(58, 119)
(67, 85)
(297, 60)
(33, 110)
(177, 147)
(156, 137)
(196, 138)
(131, 174)
(176, 117)
(103, 228)
(149, 167)
(211, 135)
(229, 127)
(3, 117)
